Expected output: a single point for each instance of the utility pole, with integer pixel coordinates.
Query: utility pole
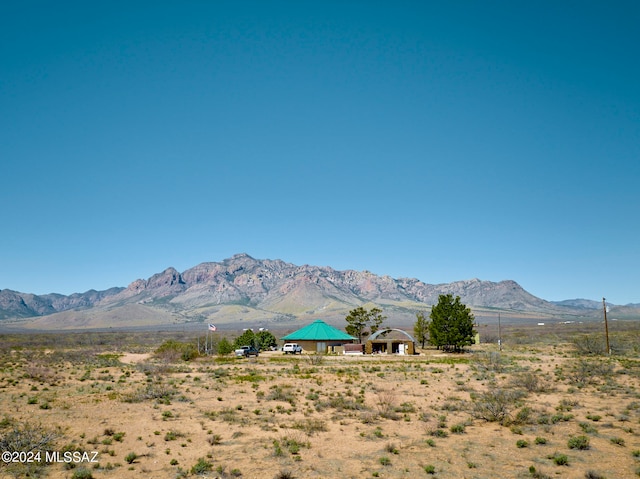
(606, 325)
(499, 334)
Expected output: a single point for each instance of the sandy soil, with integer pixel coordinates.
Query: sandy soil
(339, 416)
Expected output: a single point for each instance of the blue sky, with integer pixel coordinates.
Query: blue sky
(436, 140)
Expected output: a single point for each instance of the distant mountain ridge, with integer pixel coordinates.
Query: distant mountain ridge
(24, 305)
(580, 303)
(242, 288)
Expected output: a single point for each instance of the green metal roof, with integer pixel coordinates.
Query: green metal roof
(318, 331)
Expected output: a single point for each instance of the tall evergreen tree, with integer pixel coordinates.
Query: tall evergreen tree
(451, 326)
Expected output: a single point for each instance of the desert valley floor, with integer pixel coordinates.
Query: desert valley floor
(536, 410)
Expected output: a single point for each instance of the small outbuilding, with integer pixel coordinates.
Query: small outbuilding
(390, 341)
(319, 337)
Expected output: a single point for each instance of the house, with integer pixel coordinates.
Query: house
(319, 337)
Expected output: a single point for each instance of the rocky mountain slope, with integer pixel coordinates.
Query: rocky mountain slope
(242, 288)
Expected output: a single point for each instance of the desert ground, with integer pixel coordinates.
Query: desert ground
(545, 406)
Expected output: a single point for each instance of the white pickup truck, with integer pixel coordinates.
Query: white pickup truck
(292, 348)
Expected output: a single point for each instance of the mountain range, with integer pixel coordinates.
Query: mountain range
(242, 290)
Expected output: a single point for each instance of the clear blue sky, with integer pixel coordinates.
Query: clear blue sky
(436, 140)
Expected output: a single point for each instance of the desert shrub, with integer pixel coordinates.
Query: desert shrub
(154, 369)
(310, 426)
(618, 441)
(588, 428)
(430, 469)
(556, 418)
(386, 404)
(454, 404)
(172, 351)
(82, 473)
(391, 448)
(523, 416)
(495, 405)
(315, 359)
(457, 428)
(341, 403)
(490, 362)
(578, 442)
(559, 459)
(593, 475)
(292, 443)
(106, 360)
(282, 393)
(587, 371)
(251, 377)
(201, 466)
(384, 461)
(277, 448)
(405, 407)
(131, 457)
(40, 373)
(166, 415)
(27, 437)
(522, 443)
(284, 475)
(567, 405)
(157, 391)
(172, 435)
(589, 344)
(535, 474)
(540, 440)
(441, 433)
(529, 381)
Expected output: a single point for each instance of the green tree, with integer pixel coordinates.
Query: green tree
(451, 326)
(359, 319)
(421, 328)
(224, 347)
(265, 340)
(248, 338)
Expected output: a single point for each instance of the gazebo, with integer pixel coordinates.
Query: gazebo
(319, 337)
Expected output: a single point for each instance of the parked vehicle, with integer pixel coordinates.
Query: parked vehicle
(292, 348)
(247, 351)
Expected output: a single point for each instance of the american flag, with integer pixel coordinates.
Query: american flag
(212, 327)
